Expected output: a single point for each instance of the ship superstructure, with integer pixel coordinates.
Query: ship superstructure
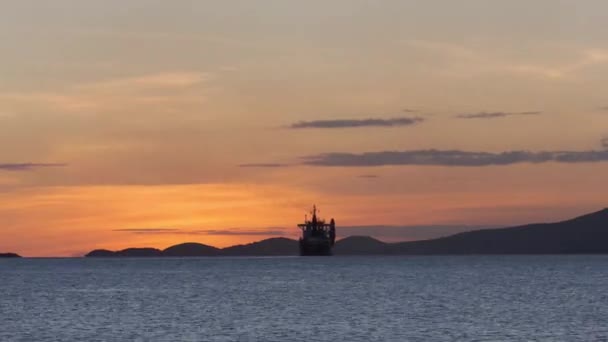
(318, 237)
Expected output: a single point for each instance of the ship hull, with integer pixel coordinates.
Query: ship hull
(315, 248)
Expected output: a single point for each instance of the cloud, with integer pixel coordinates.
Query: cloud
(586, 58)
(463, 61)
(204, 232)
(357, 123)
(264, 165)
(28, 166)
(241, 232)
(146, 230)
(14, 101)
(157, 80)
(166, 88)
(369, 176)
(493, 115)
(452, 158)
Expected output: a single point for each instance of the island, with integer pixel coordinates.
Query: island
(9, 255)
(587, 234)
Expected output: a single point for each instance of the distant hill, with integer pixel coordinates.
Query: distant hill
(586, 234)
(100, 253)
(190, 249)
(129, 252)
(269, 247)
(9, 255)
(360, 245)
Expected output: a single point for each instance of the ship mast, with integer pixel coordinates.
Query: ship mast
(314, 216)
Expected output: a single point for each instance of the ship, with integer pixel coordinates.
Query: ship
(318, 238)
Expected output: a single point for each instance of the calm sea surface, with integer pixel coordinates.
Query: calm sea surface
(480, 298)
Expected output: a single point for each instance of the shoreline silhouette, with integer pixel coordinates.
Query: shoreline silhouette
(9, 255)
(587, 234)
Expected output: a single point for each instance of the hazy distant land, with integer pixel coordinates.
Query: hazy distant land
(9, 255)
(586, 234)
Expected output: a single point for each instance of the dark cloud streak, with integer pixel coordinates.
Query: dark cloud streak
(452, 158)
(237, 232)
(357, 123)
(263, 165)
(369, 176)
(28, 166)
(207, 232)
(146, 230)
(494, 115)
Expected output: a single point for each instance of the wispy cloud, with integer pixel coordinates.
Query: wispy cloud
(157, 80)
(66, 101)
(116, 93)
(264, 165)
(369, 176)
(494, 115)
(146, 230)
(453, 158)
(241, 232)
(463, 60)
(28, 166)
(357, 123)
(587, 58)
(204, 232)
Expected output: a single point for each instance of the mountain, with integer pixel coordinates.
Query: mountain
(140, 252)
(268, 247)
(9, 255)
(586, 234)
(360, 245)
(191, 249)
(129, 252)
(101, 253)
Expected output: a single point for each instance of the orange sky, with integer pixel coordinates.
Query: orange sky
(152, 123)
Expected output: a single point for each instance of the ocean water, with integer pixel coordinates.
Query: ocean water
(442, 298)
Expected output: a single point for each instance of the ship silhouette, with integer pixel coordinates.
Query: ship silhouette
(318, 237)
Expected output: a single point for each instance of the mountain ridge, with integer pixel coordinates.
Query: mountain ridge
(585, 234)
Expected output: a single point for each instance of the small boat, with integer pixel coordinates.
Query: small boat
(318, 238)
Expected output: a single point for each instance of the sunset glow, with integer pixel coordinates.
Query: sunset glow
(146, 124)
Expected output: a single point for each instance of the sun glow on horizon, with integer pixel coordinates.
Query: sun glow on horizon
(70, 221)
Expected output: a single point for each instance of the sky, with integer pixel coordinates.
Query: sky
(148, 123)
